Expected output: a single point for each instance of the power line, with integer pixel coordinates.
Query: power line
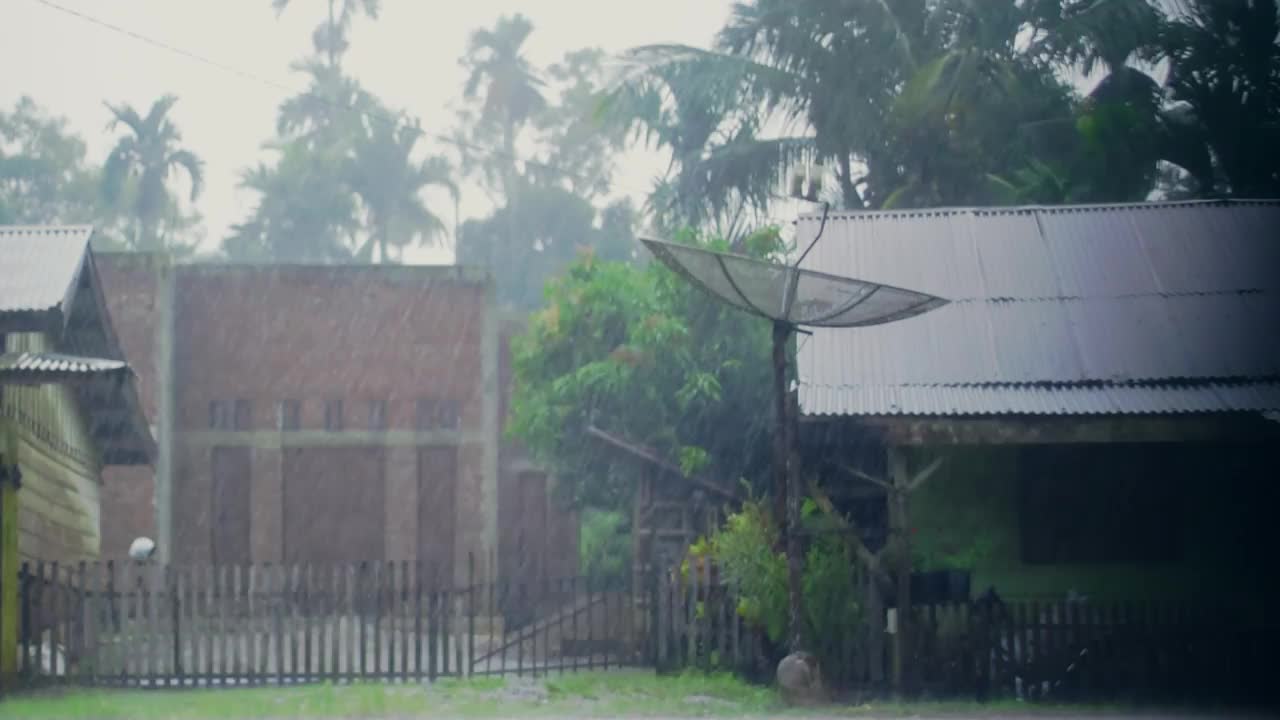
(395, 122)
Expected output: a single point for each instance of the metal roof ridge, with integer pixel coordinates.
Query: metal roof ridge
(1032, 209)
(1178, 381)
(45, 229)
(1115, 296)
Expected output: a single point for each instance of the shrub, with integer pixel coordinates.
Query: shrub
(604, 546)
(747, 550)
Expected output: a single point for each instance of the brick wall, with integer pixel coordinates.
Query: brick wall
(399, 348)
(311, 334)
(132, 288)
(372, 358)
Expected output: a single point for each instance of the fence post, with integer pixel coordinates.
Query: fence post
(175, 609)
(654, 616)
(277, 618)
(24, 630)
(89, 587)
(471, 614)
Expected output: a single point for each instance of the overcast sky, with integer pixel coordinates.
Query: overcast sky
(408, 57)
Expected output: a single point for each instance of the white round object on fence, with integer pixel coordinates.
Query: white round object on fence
(142, 548)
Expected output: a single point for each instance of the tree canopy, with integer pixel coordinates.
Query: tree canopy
(147, 154)
(555, 203)
(640, 353)
(44, 176)
(349, 182)
(920, 103)
(915, 103)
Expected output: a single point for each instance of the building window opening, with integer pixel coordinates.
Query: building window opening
(287, 412)
(378, 415)
(333, 415)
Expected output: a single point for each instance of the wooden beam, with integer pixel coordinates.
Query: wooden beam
(653, 458)
(1050, 430)
(864, 476)
(899, 519)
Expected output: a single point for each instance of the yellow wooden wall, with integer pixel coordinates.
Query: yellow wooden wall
(58, 506)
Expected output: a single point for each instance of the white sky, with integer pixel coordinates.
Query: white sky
(408, 57)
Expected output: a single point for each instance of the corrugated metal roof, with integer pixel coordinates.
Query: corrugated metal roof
(1165, 398)
(1158, 307)
(33, 368)
(41, 266)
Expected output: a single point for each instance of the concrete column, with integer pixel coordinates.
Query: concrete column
(400, 467)
(266, 505)
(490, 346)
(163, 492)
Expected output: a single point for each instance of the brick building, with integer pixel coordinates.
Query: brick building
(326, 414)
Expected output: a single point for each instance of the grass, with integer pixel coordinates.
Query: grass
(601, 694)
(585, 695)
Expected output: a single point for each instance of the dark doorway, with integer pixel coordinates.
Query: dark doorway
(533, 527)
(334, 504)
(230, 520)
(437, 509)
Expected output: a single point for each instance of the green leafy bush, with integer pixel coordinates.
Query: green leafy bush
(604, 545)
(748, 553)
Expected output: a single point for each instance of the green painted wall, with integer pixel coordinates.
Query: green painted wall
(966, 517)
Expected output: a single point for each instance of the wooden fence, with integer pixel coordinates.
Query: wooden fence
(1032, 650)
(696, 624)
(149, 625)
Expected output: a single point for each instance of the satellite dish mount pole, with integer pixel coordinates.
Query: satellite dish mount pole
(787, 480)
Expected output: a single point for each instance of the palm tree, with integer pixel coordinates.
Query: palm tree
(1225, 72)
(305, 211)
(390, 185)
(511, 87)
(148, 152)
(330, 38)
(334, 109)
(690, 103)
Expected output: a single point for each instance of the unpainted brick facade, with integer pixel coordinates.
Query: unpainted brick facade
(133, 302)
(328, 414)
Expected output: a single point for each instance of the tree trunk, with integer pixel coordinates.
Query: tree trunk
(332, 40)
(848, 190)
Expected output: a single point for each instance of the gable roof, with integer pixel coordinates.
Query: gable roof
(49, 284)
(41, 272)
(1107, 309)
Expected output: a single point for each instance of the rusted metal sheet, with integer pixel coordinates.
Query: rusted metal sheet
(1140, 308)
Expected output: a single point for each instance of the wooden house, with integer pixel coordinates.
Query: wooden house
(1099, 389)
(68, 407)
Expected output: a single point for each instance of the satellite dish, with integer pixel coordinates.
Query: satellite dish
(790, 298)
(142, 549)
(787, 294)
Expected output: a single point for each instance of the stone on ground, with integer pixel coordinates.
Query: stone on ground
(800, 680)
